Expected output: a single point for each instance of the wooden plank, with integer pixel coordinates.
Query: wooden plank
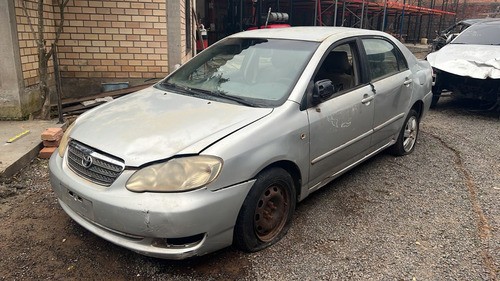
(114, 93)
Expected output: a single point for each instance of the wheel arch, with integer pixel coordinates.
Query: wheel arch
(418, 106)
(292, 169)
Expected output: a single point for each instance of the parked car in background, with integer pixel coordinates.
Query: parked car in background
(446, 36)
(220, 151)
(470, 65)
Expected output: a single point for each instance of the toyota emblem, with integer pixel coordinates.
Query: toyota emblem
(87, 161)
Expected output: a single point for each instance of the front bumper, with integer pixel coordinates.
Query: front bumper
(147, 222)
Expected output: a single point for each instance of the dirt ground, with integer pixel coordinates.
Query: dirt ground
(432, 215)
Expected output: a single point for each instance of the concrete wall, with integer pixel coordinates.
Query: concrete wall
(15, 102)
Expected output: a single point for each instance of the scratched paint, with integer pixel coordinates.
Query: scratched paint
(343, 119)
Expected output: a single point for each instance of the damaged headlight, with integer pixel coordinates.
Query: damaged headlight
(65, 139)
(178, 174)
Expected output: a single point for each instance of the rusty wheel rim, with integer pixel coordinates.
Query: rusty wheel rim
(271, 212)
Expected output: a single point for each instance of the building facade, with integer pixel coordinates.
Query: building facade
(102, 41)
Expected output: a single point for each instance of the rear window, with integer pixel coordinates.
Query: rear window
(480, 34)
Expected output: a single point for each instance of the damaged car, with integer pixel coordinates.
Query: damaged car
(222, 150)
(446, 36)
(470, 65)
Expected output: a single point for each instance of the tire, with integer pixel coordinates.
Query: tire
(436, 94)
(436, 91)
(407, 138)
(267, 211)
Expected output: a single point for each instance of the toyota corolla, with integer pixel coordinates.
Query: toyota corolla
(222, 150)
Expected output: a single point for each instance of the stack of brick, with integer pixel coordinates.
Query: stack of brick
(51, 138)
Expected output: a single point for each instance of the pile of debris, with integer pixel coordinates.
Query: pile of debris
(76, 106)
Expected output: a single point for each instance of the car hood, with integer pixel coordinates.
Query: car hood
(152, 125)
(476, 61)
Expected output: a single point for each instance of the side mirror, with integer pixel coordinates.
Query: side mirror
(323, 90)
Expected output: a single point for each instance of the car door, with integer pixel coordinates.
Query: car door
(340, 127)
(391, 80)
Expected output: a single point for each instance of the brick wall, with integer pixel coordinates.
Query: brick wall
(114, 39)
(27, 43)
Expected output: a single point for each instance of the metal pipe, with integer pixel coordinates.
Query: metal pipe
(456, 10)
(58, 83)
(335, 15)
(362, 13)
(241, 15)
(402, 21)
(343, 13)
(385, 15)
(316, 12)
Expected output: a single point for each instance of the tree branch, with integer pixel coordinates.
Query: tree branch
(41, 25)
(25, 10)
(62, 5)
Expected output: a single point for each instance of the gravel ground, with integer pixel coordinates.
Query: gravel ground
(431, 215)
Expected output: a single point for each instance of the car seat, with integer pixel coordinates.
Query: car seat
(337, 68)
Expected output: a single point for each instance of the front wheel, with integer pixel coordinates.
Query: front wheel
(436, 90)
(405, 144)
(267, 211)
(436, 94)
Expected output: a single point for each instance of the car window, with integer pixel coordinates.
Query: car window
(384, 58)
(481, 34)
(256, 71)
(340, 67)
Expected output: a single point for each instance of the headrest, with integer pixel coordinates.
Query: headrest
(337, 62)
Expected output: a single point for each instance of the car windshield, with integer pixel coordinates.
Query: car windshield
(480, 34)
(249, 71)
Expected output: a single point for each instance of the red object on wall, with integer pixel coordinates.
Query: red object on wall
(275, 25)
(199, 46)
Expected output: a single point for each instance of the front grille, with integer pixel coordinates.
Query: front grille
(92, 165)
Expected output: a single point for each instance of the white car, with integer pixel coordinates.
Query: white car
(221, 150)
(470, 65)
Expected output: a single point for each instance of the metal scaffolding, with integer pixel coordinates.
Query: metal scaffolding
(407, 21)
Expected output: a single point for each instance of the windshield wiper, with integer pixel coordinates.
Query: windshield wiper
(184, 89)
(175, 87)
(205, 93)
(223, 95)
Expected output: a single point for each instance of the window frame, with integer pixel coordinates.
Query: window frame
(401, 62)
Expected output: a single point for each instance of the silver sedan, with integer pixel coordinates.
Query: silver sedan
(221, 150)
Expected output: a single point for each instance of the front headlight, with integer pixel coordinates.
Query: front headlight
(178, 174)
(64, 140)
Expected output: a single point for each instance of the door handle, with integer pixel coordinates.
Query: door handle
(407, 82)
(367, 99)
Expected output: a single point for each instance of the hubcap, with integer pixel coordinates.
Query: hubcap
(271, 212)
(410, 134)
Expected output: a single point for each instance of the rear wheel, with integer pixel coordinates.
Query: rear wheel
(267, 211)
(407, 139)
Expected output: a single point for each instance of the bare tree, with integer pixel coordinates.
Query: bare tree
(44, 51)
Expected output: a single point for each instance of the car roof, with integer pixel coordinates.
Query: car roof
(473, 21)
(307, 33)
(492, 21)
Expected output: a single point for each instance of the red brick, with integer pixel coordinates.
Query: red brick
(46, 152)
(52, 134)
(51, 143)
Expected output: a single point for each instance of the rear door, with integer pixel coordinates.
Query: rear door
(391, 80)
